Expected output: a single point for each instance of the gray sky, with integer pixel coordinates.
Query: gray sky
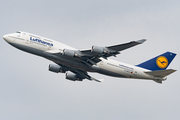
(28, 91)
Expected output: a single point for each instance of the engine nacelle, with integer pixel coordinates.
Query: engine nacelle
(55, 68)
(71, 76)
(97, 49)
(69, 53)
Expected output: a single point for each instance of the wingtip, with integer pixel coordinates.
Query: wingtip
(141, 41)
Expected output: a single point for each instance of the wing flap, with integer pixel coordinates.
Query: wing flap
(161, 73)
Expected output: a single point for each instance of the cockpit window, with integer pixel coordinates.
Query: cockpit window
(18, 32)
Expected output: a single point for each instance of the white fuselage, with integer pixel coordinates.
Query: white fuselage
(50, 49)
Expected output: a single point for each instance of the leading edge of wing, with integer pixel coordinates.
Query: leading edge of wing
(111, 50)
(121, 46)
(124, 46)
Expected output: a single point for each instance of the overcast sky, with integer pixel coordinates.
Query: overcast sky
(28, 91)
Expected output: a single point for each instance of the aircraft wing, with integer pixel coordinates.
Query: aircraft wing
(84, 75)
(96, 52)
(124, 46)
(80, 74)
(92, 56)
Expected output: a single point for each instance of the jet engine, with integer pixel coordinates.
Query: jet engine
(55, 68)
(69, 53)
(98, 50)
(72, 76)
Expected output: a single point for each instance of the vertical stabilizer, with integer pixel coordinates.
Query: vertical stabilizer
(160, 62)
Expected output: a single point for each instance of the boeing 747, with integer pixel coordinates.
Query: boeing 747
(77, 63)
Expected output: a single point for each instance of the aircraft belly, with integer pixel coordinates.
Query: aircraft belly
(63, 60)
(113, 69)
(110, 73)
(28, 49)
(73, 62)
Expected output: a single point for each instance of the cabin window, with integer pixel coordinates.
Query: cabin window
(18, 32)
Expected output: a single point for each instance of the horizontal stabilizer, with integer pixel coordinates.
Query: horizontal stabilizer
(161, 73)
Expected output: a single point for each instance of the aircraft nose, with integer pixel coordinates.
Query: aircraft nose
(5, 37)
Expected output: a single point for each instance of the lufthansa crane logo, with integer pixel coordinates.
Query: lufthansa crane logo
(162, 62)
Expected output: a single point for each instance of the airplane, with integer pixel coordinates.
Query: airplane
(77, 63)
